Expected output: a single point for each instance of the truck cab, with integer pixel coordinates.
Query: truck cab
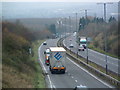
(57, 60)
(83, 42)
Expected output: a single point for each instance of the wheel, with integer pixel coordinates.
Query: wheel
(52, 72)
(50, 68)
(63, 72)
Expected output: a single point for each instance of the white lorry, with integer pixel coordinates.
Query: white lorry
(57, 60)
(83, 42)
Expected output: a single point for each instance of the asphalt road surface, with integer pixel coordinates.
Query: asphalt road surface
(75, 75)
(93, 56)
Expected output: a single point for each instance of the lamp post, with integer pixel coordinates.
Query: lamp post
(76, 22)
(70, 24)
(105, 39)
(65, 27)
(87, 48)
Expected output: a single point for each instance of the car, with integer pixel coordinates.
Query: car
(81, 87)
(47, 56)
(81, 48)
(71, 46)
(70, 39)
(84, 46)
(44, 43)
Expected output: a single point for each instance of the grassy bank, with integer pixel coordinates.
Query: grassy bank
(28, 76)
(20, 69)
(39, 78)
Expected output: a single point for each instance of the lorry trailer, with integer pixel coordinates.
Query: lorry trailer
(57, 60)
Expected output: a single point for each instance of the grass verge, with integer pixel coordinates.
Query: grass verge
(39, 77)
(24, 75)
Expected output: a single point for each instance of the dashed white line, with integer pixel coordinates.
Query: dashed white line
(72, 77)
(89, 73)
(69, 74)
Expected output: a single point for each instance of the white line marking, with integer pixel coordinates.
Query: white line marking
(76, 81)
(41, 60)
(68, 73)
(72, 77)
(51, 85)
(50, 81)
(90, 73)
(54, 86)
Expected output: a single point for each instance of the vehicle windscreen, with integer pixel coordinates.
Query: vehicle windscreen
(82, 42)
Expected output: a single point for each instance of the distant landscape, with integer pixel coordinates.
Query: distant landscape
(38, 24)
(17, 10)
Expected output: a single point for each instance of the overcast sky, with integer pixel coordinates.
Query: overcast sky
(60, 0)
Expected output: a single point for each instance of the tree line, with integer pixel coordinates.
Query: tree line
(85, 21)
(96, 28)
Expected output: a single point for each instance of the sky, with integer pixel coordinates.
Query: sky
(54, 9)
(60, 0)
(57, 8)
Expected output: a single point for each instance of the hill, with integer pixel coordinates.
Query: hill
(18, 68)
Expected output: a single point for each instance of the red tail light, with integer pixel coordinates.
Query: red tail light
(47, 61)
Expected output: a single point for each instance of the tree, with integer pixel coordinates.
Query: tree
(52, 28)
(82, 23)
(112, 19)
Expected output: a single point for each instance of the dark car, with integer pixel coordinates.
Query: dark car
(81, 48)
(81, 87)
(71, 46)
(45, 43)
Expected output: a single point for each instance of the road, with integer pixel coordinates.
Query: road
(75, 75)
(93, 56)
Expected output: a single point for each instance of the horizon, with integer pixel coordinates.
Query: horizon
(13, 10)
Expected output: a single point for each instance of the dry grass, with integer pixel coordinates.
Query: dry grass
(39, 81)
(0, 75)
(15, 79)
(27, 77)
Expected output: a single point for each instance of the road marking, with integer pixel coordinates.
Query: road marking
(50, 81)
(89, 73)
(76, 81)
(69, 74)
(103, 54)
(41, 60)
(101, 59)
(51, 84)
(72, 77)
(54, 86)
(100, 54)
